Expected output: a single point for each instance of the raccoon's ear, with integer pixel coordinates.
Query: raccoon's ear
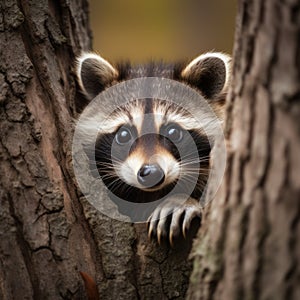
(209, 72)
(94, 74)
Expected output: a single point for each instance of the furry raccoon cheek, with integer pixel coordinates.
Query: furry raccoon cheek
(209, 72)
(94, 74)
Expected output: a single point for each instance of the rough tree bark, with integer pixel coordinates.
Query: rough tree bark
(48, 231)
(249, 247)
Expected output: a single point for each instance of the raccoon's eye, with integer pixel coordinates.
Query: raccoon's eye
(174, 133)
(123, 136)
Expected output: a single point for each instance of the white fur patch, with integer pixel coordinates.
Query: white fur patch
(136, 111)
(166, 113)
(129, 170)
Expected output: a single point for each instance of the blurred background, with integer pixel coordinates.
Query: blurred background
(161, 29)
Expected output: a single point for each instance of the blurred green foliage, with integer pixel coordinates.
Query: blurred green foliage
(161, 29)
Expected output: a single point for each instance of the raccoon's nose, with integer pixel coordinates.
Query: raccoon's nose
(150, 176)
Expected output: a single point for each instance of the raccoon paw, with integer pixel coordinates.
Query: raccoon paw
(173, 218)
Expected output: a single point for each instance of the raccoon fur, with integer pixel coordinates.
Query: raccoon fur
(147, 162)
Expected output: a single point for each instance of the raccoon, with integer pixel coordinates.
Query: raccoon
(151, 153)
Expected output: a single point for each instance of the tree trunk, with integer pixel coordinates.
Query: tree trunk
(48, 231)
(249, 246)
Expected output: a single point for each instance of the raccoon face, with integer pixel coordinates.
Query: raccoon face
(146, 148)
(151, 149)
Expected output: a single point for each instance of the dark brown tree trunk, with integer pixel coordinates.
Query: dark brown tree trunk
(249, 246)
(48, 231)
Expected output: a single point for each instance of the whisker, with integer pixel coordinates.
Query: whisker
(193, 154)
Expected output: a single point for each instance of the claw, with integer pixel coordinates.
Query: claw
(161, 230)
(190, 214)
(171, 238)
(185, 225)
(152, 222)
(184, 232)
(160, 227)
(174, 228)
(173, 231)
(150, 229)
(159, 235)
